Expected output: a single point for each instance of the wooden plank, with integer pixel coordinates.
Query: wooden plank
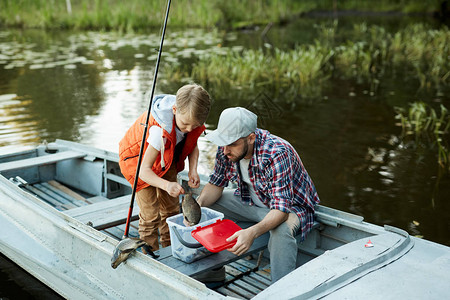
(243, 265)
(96, 207)
(65, 190)
(239, 267)
(228, 277)
(105, 214)
(61, 193)
(245, 286)
(34, 191)
(226, 292)
(255, 283)
(232, 271)
(260, 278)
(246, 263)
(118, 231)
(57, 196)
(40, 160)
(96, 199)
(240, 291)
(117, 178)
(265, 273)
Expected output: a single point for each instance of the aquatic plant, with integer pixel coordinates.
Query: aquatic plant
(371, 58)
(426, 52)
(422, 122)
(141, 14)
(299, 72)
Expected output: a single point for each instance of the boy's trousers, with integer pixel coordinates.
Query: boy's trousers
(155, 207)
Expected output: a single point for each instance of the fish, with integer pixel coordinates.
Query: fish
(125, 247)
(192, 212)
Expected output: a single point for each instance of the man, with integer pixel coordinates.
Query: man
(274, 190)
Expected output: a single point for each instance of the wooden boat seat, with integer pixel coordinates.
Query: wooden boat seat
(40, 160)
(105, 214)
(215, 260)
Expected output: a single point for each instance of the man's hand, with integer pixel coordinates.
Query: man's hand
(194, 179)
(246, 237)
(244, 241)
(174, 189)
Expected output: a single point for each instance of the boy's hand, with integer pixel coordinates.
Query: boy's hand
(174, 189)
(194, 179)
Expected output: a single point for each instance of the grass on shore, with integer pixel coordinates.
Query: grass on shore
(142, 14)
(370, 57)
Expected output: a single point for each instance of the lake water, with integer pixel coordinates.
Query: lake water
(89, 87)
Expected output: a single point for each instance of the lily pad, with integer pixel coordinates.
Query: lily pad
(36, 66)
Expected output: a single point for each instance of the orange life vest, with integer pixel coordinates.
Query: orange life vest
(130, 145)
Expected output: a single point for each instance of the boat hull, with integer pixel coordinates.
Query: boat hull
(75, 260)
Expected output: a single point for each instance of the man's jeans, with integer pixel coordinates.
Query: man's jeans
(282, 244)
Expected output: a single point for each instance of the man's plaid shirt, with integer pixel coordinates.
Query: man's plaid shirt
(278, 176)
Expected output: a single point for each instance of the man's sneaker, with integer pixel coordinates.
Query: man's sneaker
(212, 275)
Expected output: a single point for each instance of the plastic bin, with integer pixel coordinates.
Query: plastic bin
(179, 250)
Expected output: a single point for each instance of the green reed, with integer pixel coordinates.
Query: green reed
(372, 56)
(300, 72)
(141, 14)
(422, 122)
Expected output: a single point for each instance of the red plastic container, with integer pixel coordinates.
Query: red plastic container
(214, 236)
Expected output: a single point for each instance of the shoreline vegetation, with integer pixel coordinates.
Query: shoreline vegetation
(372, 57)
(227, 14)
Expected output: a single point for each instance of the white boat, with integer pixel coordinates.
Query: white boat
(62, 210)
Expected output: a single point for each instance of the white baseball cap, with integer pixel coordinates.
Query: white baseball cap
(234, 123)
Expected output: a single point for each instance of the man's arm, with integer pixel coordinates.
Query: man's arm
(210, 194)
(246, 237)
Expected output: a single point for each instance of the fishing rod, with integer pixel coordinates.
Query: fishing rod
(136, 177)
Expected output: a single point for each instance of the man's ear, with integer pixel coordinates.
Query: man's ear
(174, 109)
(251, 138)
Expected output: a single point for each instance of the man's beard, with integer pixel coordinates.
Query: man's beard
(242, 155)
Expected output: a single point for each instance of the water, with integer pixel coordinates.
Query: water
(15, 283)
(89, 87)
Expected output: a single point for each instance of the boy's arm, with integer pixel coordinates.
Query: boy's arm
(194, 179)
(146, 174)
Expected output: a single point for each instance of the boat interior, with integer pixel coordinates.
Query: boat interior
(87, 184)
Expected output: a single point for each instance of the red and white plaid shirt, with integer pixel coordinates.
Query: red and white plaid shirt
(278, 177)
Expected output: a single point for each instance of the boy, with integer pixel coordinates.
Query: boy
(175, 124)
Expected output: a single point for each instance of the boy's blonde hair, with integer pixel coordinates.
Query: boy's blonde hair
(194, 100)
